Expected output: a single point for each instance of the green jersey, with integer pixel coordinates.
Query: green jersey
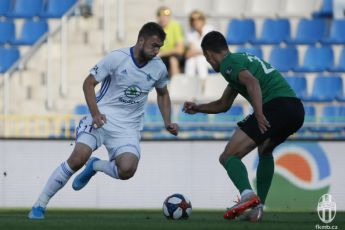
(272, 83)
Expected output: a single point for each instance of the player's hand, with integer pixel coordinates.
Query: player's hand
(190, 107)
(262, 122)
(99, 120)
(172, 128)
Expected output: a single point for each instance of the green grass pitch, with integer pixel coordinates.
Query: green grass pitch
(83, 219)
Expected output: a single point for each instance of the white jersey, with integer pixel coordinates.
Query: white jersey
(124, 89)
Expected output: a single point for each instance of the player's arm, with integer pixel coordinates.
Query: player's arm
(223, 104)
(90, 97)
(164, 104)
(254, 91)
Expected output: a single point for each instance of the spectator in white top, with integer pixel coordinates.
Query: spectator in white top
(196, 64)
(339, 9)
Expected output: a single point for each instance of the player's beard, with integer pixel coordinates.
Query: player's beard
(216, 68)
(145, 56)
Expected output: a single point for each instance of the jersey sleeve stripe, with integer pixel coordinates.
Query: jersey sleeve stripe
(103, 89)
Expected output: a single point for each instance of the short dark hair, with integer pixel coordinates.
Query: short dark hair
(214, 41)
(151, 29)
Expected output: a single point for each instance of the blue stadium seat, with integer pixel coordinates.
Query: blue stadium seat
(225, 122)
(326, 10)
(194, 118)
(257, 51)
(240, 31)
(309, 117)
(309, 31)
(325, 89)
(298, 84)
(317, 59)
(190, 122)
(274, 31)
(26, 9)
(57, 8)
(7, 32)
(81, 109)
(152, 113)
(8, 56)
(234, 114)
(5, 6)
(310, 114)
(153, 119)
(337, 34)
(332, 119)
(31, 32)
(284, 59)
(334, 113)
(340, 67)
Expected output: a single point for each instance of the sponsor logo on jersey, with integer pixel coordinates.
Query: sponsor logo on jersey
(124, 71)
(131, 93)
(148, 77)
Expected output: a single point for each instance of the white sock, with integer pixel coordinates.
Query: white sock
(108, 167)
(55, 182)
(246, 192)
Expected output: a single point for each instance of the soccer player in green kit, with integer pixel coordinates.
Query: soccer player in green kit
(278, 113)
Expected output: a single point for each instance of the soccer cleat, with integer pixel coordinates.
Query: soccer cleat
(83, 178)
(37, 213)
(246, 202)
(253, 215)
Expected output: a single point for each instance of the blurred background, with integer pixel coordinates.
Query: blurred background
(47, 48)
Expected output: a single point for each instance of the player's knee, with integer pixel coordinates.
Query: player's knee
(126, 172)
(75, 162)
(266, 154)
(225, 155)
(266, 148)
(221, 159)
(79, 156)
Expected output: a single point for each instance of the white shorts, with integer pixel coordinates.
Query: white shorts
(115, 143)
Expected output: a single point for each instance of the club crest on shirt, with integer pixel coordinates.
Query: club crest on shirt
(228, 71)
(95, 68)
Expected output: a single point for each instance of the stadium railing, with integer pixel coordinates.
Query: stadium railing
(38, 126)
(329, 126)
(44, 39)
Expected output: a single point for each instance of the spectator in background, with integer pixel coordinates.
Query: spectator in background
(196, 64)
(86, 8)
(172, 50)
(339, 9)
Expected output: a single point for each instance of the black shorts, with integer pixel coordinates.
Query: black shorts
(285, 115)
(179, 58)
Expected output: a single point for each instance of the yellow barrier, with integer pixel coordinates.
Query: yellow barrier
(38, 126)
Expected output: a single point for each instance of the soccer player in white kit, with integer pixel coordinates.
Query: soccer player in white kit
(116, 114)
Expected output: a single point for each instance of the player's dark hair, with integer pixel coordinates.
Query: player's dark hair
(214, 41)
(151, 29)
